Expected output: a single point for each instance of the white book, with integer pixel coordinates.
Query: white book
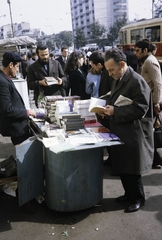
(51, 80)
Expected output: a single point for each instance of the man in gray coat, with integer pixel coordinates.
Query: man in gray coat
(131, 121)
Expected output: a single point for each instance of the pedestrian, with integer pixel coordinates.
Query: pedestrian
(45, 67)
(77, 78)
(13, 114)
(151, 72)
(29, 60)
(97, 62)
(132, 123)
(62, 59)
(24, 65)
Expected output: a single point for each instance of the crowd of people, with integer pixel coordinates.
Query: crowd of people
(134, 74)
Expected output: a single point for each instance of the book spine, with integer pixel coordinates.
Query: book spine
(73, 120)
(71, 116)
(70, 128)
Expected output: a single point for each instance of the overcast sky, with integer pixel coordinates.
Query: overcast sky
(54, 15)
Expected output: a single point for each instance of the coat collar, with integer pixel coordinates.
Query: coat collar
(124, 79)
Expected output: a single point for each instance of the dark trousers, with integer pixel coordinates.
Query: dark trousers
(133, 187)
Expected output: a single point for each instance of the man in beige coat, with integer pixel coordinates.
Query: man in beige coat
(151, 72)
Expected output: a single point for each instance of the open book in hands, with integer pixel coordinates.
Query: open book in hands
(51, 80)
(97, 105)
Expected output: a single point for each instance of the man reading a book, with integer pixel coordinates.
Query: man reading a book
(132, 123)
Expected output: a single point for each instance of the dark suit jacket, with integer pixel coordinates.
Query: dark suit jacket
(13, 115)
(60, 60)
(36, 73)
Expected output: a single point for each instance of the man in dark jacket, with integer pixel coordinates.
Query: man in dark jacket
(130, 116)
(45, 67)
(62, 59)
(13, 114)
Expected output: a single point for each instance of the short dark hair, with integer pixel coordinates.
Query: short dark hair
(116, 54)
(144, 43)
(63, 48)
(41, 47)
(52, 55)
(97, 57)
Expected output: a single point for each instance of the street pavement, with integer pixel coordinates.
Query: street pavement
(105, 221)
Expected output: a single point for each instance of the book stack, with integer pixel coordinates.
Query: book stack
(71, 122)
(62, 107)
(51, 106)
(82, 106)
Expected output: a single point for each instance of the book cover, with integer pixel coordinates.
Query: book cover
(51, 80)
(97, 105)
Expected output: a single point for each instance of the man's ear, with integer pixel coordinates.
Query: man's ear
(145, 50)
(11, 65)
(99, 65)
(122, 64)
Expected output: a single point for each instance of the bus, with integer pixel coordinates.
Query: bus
(147, 28)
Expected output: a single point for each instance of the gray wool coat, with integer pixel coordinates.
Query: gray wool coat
(133, 124)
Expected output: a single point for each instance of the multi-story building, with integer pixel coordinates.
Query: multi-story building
(86, 12)
(19, 29)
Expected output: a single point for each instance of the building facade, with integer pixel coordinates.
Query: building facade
(86, 12)
(20, 29)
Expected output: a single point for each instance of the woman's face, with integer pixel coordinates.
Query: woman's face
(80, 61)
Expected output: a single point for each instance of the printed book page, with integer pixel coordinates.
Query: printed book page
(97, 105)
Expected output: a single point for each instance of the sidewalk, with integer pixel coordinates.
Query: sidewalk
(106, 221)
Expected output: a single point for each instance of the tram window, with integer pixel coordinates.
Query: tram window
(153, 33)
(136, 35)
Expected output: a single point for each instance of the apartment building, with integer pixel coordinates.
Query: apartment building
(20, 29)
(86, 12)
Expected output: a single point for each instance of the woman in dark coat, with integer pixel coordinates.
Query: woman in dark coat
(77, 78)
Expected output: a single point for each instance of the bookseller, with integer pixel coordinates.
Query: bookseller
(132, 123)
(13, 114)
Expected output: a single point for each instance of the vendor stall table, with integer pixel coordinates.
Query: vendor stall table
(73, 179)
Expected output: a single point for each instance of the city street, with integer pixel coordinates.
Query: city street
(105, 221)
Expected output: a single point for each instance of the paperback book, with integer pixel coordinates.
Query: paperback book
(97, 105)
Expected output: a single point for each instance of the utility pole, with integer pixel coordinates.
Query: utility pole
(9, 3)
(153, 8)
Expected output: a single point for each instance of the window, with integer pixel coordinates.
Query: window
(136, 35)
(153, 33)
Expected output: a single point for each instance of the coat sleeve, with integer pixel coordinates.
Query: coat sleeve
(11, 105)
(33, 82)
(141, 97)
(154, 73)
(62, 75)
